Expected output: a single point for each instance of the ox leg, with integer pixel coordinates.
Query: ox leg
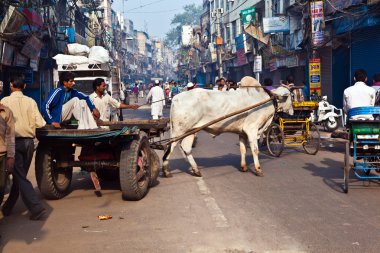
(252, 136)
(186, 146)
(243, 152)
(165, 160)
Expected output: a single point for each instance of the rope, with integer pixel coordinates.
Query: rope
(97, 136)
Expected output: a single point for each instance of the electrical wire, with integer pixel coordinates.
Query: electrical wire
(154, 12)
(142, 6)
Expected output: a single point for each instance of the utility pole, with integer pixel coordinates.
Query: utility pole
(219, 41)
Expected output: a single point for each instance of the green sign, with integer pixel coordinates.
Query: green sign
(248, 15)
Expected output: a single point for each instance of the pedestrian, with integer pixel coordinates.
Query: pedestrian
(358, 95)
(175, 90)
(135, 92)
(27, 119)
(104, 102)
(141, 90)
(297, 93)
(64, 102)
(7, 145)
(221, 84)
(268, 84)
(190, 86)
(157, 98)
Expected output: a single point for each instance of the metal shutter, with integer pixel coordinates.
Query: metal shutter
(365, 51)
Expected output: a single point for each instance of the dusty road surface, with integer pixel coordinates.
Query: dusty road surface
(298, 206)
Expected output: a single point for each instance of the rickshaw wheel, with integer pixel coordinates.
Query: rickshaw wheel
(275, 140)
(313, 140)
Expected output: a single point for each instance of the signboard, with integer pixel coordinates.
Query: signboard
(32, 47)
(258, 64)
(20, 60)
(317, 20)
(276, 24)
(248, 15)
(7, 57)
(257, 33)
(315, 76)
(292, 61)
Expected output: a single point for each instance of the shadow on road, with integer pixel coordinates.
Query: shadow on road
(18, 226)
(332, 175)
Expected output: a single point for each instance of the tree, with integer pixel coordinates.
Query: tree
(190, 16)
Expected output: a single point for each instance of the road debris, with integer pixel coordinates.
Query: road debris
(105, 217)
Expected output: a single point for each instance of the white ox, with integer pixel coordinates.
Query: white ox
(197, 107)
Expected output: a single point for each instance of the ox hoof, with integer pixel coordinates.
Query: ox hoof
(244, 168)
(197, 173)
(259, 173)
(167, 174)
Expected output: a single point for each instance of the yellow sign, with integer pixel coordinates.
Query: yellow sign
(315, 76)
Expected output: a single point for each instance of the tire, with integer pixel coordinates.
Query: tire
(331, 126)
(313, 140)
(154, 168)
(54, 183)
(132, 187)
(275, 140)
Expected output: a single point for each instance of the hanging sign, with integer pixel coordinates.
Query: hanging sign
(248, 15)
(315, 76)
(317, 21)
(258, 64)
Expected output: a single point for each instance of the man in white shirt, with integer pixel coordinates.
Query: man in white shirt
(359, 95)
(157, 98)
(103, 101)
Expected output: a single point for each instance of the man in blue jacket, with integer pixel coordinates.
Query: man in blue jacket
(65, 101)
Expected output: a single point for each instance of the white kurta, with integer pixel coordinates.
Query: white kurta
(104, 104)
(156, 95)
(359, 95)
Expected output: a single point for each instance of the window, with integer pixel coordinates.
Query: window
(234, 27)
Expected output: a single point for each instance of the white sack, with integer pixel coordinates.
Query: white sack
(78, 49)
(98, 55)
(70, 59)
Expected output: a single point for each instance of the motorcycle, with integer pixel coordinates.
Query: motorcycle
(327, 115)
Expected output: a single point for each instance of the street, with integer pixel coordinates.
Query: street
(298, 206)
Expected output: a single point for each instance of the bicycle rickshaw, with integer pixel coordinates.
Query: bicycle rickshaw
(363, 146)
(294, 130)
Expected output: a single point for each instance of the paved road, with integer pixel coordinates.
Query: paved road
(297, 207)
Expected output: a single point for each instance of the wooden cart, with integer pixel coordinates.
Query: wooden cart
(124, 147)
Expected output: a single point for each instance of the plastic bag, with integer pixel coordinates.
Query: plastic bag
(78, 49)
(98, 55)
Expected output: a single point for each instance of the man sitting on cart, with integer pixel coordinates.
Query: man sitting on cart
(65, 102)
(359, 95)
(105, 102)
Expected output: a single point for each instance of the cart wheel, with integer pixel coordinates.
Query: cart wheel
(53, 182)
(154, 168)
(313, 140)
(346, 167)
(275, 140)
(135, 168)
